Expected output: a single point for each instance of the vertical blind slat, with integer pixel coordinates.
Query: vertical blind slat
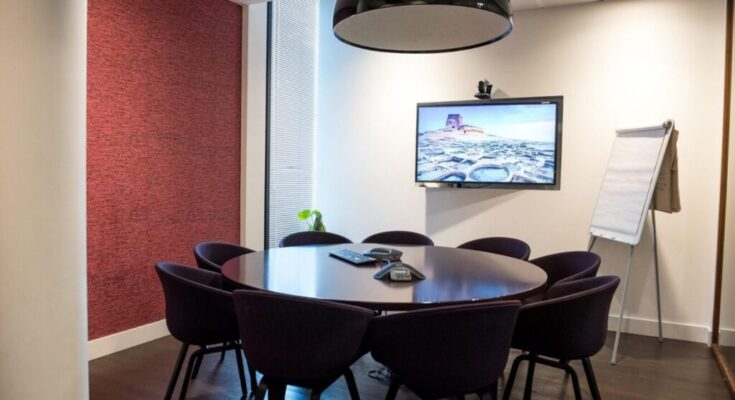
(292, 103)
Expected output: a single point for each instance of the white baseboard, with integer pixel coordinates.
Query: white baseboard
(727, 337)
(126, 339)
(639, 326)
(671, 330)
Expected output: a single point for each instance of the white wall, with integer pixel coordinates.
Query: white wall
(43, 307)
(252, 211)
(617, 63)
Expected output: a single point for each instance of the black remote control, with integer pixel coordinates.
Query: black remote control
(352, 257)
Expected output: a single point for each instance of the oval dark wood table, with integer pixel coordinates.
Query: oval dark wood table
(453, 276)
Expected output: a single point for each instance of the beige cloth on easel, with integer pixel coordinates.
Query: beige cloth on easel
(666, 197)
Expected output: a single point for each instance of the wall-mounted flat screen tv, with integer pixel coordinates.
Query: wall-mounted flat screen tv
(490, 143)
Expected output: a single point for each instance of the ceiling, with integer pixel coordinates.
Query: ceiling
(520, 5)
(516, 5)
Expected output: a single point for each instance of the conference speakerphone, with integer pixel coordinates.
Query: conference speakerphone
(352, 257)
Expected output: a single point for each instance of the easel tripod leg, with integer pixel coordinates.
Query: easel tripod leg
(622, 308)
(592, 243)
(658, 285)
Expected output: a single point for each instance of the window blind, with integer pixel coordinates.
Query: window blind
(292, 105)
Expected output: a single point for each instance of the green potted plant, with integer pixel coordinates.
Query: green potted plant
(313, 219)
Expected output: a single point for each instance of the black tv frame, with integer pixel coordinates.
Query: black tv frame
(556, 185)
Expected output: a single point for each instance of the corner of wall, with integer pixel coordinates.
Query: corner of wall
(254, 125)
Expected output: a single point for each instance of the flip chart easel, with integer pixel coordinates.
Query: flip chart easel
(625, 197)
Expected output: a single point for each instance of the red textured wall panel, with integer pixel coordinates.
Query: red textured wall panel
(163, 146)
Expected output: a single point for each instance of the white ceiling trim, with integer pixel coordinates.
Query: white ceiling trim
(515, 5)
(521, 5)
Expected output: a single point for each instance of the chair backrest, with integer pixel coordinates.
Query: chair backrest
(211, 255)
(446, 351)
(198, 311)
(505, 246)
(571, 323)
(568, 266)
(302, 341)
(312, 238)
(399, 237)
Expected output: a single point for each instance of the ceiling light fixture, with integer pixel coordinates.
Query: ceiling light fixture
(427, 26)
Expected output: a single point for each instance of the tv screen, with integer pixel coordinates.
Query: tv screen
(508, 142)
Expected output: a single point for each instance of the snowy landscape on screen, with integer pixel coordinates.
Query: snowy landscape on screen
(499, 143)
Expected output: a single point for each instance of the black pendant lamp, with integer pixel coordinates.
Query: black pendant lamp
(427, 26)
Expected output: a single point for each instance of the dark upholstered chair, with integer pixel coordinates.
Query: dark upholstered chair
(445, 351)
(299, 341)
(565, 267)
(399, 237)
(200, 313)
(312, 238)
(211, 255)
(500, 245)
(568, 266)
(571, 324)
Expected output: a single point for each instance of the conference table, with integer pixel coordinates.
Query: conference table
(453, 276)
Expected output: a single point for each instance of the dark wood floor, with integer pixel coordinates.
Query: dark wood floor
(645, 370)
(729, 353)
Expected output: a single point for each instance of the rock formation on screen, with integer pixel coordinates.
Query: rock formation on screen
(455, 123)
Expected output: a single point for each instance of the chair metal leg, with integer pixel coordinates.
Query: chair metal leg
(240, 371)
(251, 370)
(392, 390)
(575, 384)
(253, 377)
(198, 364)
(351, 385)
(260, 390)
(177, 370)
(187, 376)
(591, 381)
(276, 392)
(528, 390)
(564, 365)
(512, 376)
(491, 390)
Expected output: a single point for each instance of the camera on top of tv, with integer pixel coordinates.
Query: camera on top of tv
(484, 90)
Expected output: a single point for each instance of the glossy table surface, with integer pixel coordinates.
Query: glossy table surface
(452, 276)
